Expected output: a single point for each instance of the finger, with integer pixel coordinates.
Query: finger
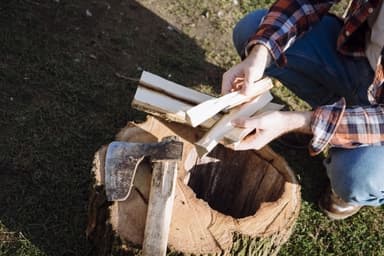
(249, 142)
(244, 122)
(228, 79)
(239, 79)
(249, 78)
(251, 75)
(238, 83)
(255, 141)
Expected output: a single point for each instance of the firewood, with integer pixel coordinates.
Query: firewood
(174, 90)
(171, 101)
(205, 110)
(165, 106)
(218, 131)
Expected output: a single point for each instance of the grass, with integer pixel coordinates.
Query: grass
(60, 100)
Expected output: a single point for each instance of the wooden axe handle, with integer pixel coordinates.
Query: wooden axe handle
(160, 207)
(160, 204)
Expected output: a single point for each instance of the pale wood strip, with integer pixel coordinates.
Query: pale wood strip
(164, 106)
(172, 89)
(205, 110)
(218, 131)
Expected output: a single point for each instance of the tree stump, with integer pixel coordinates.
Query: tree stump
(225, 194)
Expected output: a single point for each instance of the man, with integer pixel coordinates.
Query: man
(337, 67)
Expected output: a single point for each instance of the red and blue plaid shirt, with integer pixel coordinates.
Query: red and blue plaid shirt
(333, 125)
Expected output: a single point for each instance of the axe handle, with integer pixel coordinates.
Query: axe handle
(160, 207)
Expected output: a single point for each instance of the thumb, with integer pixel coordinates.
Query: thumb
(249, 78)
(251, 75)
(255, 141)
(244, 122)
(250, 142)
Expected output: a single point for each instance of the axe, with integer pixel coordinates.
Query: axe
(122, 160)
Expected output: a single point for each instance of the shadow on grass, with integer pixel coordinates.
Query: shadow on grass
(60, 100)
(310, 171)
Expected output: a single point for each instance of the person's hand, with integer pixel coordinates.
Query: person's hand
(270, 125)
(251, 69)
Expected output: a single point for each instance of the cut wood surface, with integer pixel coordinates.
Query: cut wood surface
(251, 193)
(207, 109)
(218, 131)
(237, 134)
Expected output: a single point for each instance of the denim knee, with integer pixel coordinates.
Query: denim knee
(357, 175)
(245, 28)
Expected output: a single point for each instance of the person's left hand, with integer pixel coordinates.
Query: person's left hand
(243, 75)
(270, 125)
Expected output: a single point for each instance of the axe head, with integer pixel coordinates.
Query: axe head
(123, 158)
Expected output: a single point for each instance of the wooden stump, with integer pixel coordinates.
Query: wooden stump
(250, 193)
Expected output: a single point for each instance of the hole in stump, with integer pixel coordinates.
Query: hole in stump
(234, 183)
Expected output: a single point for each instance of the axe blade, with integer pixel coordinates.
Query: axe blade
(120, 170)
(123, 158)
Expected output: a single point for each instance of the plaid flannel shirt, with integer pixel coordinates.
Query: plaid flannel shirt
(333, 125)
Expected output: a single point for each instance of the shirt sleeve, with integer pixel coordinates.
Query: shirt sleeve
(324, 123)
(285, 21)
(337, 126)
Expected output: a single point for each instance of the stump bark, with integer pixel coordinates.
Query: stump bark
(249, 193)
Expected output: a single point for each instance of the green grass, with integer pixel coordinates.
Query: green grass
(60, 100)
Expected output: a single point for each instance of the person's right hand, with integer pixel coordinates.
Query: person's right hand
(251, 69)
(270, 125)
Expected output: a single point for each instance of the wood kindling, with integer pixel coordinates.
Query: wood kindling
(164, 105)
(222, 127)
(205, 110)
(174, 90)
(159, 104)
(168, 100)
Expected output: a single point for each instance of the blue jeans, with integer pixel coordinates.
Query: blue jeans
(320, 75)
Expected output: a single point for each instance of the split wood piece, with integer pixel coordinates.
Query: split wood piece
(166, 107)
(209, 108)
(235, 135)
(218, 131)
(158, 104)
(155, 100)
(172, 89)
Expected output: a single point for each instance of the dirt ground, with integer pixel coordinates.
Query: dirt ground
(63, 96)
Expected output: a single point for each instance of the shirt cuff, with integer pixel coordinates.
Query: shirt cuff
(274, 49)
(324, 123)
